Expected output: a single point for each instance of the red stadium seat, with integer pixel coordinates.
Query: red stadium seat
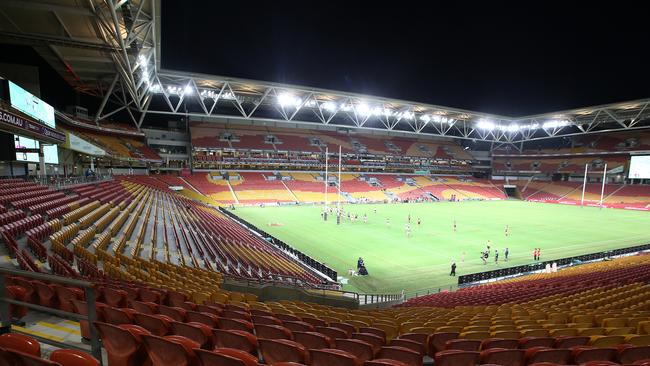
(571, 341)
(282, 350)
(238, 339)
(328, 356)
(81, 307)
(69, 357)
(584, 354)
(362, 350)
(208, 319)
(149, 308)
(402, 354)
(333, 332)
(225, 357)
(299, 326)
(500, 343)
(437, 341)
(199, 333)
(20, 343)
(46, 294)
(272, 332)
(170, 351)
(376, 341)
(118, 316)
(123, 345)
(504, 357)
(463, 344)
(412, 345)
(546, 354)
(235, 324)
(175, 313)
(456, 358)
(313, 340)
(530, 342)
(626, 354)
(158, 325)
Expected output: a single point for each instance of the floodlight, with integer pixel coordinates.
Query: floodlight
(425, 118)
(407, 115)
(287, 99)
(228, 96)
(363, 109)
(555, 123)
(329, 106)
(485, 124)
(388, 112)
(188, 90)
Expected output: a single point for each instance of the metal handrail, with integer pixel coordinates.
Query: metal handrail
(89, 291)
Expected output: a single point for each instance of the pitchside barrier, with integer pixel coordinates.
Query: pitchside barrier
(305, 259)
(474, 278)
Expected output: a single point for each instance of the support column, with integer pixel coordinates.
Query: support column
(41, 161)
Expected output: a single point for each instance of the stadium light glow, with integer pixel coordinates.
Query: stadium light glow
(425, 118)
(485, 124)
(155, 88)
(346, 107)
(288, 100)
(376, 111)
(407, 115)
(188, 90)
(142, 60)
(228, 96)
(329, 106)
(555, 124)
(363, 109)
(388, 112)
(509, 128)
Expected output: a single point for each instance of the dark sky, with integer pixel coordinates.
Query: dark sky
(513, 59)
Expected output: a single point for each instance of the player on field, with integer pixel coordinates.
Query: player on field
(419, 222)
(506, 254)
(387, 221)
(409, 219)
(506, 231)
(454, 225)
(408, 230)
(496, 257)
(365, 218)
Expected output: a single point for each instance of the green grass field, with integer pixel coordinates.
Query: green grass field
(422, 262)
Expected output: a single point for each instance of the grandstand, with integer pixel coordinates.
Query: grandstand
(201, 220)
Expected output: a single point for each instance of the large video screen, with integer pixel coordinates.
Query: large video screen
(50, 152)
(28, 103)
(639, 167)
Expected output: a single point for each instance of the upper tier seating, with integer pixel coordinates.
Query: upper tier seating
(207, 135)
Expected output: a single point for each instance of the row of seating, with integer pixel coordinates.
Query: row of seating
(22, 350)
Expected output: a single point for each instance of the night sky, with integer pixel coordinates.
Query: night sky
(511, 59)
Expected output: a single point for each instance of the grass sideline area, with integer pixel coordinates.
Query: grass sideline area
(422, 262)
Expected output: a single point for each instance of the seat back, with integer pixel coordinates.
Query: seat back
(164, 352)
(361, 349)
(225, 357)
(327, 357)
(456, 358)
(402, 354)
(281, 350)
(238, 339)
(20, 343)
(70, 357)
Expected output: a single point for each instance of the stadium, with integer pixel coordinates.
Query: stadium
(170, 217)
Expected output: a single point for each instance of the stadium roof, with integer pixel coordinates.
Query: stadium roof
(111, 49)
